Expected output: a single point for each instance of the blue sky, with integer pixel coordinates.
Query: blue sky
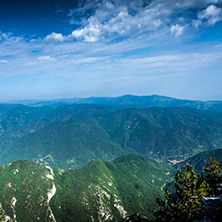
(65, 48)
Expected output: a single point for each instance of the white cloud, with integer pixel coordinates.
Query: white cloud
(78, 33)
(106, 19)
(218, 46)
(88, 60)
(90, 33)
(177, 30)
(3, 61)
(130, 43)
(210, 11)
(197, 23)
(45, 58)
(79, 66)
(55, 36)
(117, 18)
(212, 14)
(112, 19)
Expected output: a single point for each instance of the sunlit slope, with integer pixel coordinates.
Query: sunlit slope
(25, 191)
(98, 192)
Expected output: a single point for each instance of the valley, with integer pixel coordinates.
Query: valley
(97, 162)
(70, 136)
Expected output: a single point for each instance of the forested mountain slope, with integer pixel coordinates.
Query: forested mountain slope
(98, 192)
(199, 161)
(70, 136)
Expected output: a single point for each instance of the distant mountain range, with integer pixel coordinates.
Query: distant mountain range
(70, 136)
(129, 100)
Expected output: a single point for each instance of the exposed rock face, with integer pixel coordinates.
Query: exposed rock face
(210, 205)
(135, 218)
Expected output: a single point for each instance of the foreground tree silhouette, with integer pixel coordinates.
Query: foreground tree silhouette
(185, 205)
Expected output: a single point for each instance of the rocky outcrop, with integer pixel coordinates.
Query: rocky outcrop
(135, 218)
(210, 207)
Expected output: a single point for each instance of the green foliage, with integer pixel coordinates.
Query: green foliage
(99, 190)
(213, 168)
(104, 132)
(186, 204)
(26, 183)
(140, 180)
(213, 171)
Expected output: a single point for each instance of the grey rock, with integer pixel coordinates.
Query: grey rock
(210, 205)
(135, 218)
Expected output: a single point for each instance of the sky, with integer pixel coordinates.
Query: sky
(81, 48)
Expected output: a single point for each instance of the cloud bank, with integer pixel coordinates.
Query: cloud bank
(122, 19)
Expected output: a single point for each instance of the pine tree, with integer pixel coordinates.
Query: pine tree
(213, 171)
(185, 205)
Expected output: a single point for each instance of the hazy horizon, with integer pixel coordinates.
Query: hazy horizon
(70, 98)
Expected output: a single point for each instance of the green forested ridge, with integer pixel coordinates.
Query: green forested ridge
(199, 161)
(19, 120)
(102, 191)
(70, 136)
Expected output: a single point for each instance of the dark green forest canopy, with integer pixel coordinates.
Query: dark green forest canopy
(104, 132)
